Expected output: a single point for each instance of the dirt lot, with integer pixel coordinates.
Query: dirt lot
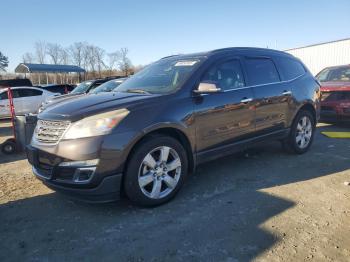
(263, 205)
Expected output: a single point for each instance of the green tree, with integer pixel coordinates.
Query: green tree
(4, 62)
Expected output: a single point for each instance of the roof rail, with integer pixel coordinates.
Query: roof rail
(169, 56)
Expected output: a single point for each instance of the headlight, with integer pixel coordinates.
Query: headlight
(96, 125)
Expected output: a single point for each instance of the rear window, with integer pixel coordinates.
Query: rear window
(289, 68)
(261, 71)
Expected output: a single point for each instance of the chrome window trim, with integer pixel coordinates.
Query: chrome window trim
(272, 83)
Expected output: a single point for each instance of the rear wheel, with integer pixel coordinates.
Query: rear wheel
(301, 134)
(156, 171)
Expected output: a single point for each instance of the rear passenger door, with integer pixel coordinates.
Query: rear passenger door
(271, 97)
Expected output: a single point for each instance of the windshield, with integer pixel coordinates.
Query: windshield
(339, 74)
(163, 76)
(81, 88)
(106, 87)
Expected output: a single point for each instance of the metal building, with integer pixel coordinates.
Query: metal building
(318, 56)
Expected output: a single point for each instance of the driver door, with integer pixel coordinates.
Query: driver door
(227, 116)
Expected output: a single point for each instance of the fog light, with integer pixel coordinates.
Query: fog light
(85, 163)
(83, 175)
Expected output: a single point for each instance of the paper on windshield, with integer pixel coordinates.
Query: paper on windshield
(186, 63)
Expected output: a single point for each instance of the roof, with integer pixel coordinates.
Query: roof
(33, 68)
(239, 50)
(322, 43)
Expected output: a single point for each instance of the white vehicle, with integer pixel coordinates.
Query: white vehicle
(25, 99)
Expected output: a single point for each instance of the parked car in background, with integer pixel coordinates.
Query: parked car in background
(25, 99)
(180, 111)
(105, 87)
(82, 89)
(108, 86)
(15, 82)
(335, 88)
(62, 89)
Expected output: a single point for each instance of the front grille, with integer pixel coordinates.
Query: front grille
(50, 131)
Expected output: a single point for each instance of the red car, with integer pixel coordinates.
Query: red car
(335, 89)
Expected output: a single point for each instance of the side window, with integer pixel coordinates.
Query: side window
(289, 68)
(227, 75)
(15, 93)
(29, 92)
(3, 96)
(261, 71)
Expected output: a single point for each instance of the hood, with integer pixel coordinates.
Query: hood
(51, 101)
(61, 97)
(335, 86)
(86, 105)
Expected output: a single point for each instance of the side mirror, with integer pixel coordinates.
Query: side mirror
(206, 87)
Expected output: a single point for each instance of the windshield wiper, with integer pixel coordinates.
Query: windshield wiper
(139, 91)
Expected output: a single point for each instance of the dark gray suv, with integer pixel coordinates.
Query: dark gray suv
(144, 138)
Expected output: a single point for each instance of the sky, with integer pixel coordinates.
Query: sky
(152, 29)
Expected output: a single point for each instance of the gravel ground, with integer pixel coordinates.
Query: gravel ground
(262, 205)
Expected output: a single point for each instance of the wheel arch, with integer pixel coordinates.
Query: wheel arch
(307, 106)
(170, 131)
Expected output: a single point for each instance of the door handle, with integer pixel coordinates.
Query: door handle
(287, 93)
(246, 100)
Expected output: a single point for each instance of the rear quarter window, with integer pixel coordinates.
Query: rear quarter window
(289, 68)
(261, 71)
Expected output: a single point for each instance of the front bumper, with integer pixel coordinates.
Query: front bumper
(96, 187)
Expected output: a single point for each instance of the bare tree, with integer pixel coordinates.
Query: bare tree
(64, 59)
(54, 51)
(112, 61)
(90, 58)
(95, 56)
(99, 54)
(76, 52)
(124, 63)
(28, 58)
(40, 51)
(64, 56)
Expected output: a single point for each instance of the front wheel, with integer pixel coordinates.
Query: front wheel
(155, 171)
(301, 134)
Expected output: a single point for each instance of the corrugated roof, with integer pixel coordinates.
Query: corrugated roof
(322, 43)
(34, 68)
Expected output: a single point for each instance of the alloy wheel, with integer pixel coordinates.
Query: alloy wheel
(304, 132)
(159, 172)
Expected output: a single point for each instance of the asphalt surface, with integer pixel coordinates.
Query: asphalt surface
(260, 205)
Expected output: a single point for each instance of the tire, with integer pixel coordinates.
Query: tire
(8, 147)
(299, 139)
(154, 182)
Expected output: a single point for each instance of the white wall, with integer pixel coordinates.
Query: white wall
(317, 57)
